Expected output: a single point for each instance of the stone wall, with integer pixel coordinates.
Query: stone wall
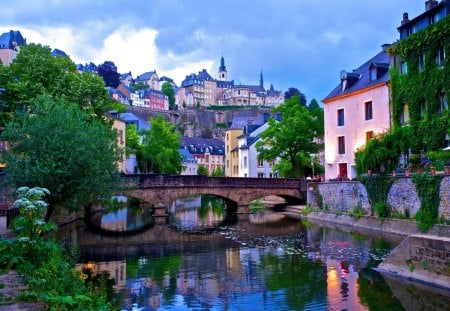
(340, 196)
(403, 196)
(423, 258)
(444, 204)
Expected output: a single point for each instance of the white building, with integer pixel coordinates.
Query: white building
(249, 165)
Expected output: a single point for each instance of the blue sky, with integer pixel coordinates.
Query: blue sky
(296, 43)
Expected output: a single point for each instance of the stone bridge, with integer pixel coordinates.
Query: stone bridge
(159, 190)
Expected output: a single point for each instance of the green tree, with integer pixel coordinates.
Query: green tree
(35, 72)
(167, 89)
(160, 148)
(202, 170)
(61, 148)
(291, 139)
(184, 104)
(132, 144)
(218, 172)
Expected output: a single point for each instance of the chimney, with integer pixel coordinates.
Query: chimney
(405, 18)
(429, 4)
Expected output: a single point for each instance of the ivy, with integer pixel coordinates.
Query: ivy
(422, 86)
(377, 188)
(427, 187)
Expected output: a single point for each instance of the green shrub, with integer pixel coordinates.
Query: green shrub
(382, 209)
(47, 272)
(357, 212)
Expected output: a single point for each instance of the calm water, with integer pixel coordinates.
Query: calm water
(265, 262)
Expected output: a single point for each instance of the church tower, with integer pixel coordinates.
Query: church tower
(222, 71)
(261, 80)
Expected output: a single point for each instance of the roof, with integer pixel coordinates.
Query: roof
(241, 122)
(10, 39)
(130, 118)
(186, 156)
(204, 75)
(145, 76)
(197, 145)
(360, 77)
(57, 52)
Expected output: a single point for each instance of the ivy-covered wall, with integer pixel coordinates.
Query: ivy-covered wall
(422, 85)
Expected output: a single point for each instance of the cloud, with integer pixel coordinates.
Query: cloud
(333, 37)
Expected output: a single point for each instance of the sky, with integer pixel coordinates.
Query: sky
(294, 43)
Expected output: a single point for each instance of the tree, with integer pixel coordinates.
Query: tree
(35, 72)
(108, 71)
(61, 148)
(167, 89)
(131, 139)
(291, 139)
(160, 148)
(202, 170)
(218, 172)
(294, 91)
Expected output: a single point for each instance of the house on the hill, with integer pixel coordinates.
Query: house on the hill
(10, 43)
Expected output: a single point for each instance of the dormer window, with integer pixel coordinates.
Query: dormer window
(404, 116)
(373, 73)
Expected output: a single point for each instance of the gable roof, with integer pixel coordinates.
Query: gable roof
(145, 76)
(360, 78)
(58, 52)
(241, 122)
(11, 39)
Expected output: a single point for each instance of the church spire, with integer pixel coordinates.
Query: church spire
(222, 70)
(261, 80)
(222, 65)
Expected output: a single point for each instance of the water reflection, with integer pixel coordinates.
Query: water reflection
(127, 215)
(278, 266)
(197, 213)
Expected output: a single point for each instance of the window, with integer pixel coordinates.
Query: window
(260, 163)
(373, 74)
(404, 116)
(421, 62)
(403, 68)
(340, 117)
(423, 108)
(369, 135)
(260, 175)
(341, 145)
(245, 162)
(443, 102)
(368, 110)
(440, 56)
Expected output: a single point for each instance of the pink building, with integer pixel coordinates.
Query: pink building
(354, 112)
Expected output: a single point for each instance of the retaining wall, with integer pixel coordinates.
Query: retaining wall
(343, 196)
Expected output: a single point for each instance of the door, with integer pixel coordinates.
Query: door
(343, 170)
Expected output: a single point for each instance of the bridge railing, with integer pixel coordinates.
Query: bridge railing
(163, 180)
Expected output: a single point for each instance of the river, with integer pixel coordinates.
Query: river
(204, 261)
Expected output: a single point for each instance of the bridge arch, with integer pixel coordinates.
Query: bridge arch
(160, 190)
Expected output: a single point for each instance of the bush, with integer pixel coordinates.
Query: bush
(46, 271)
(382, 209)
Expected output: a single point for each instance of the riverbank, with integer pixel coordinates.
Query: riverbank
(401, 227)
(422, 258)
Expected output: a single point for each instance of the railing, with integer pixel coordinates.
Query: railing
(162, 180)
